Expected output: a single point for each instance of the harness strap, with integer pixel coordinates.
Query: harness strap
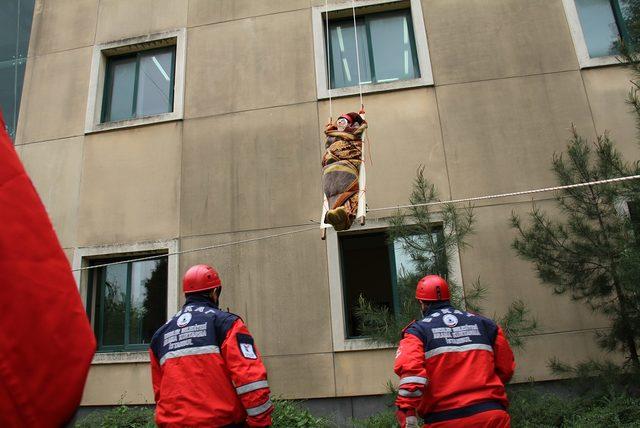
(462, 412)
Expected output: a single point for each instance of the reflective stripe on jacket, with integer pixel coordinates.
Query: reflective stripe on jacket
(206, 370)
(450, 360)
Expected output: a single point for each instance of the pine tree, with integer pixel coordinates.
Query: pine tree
(431, 238)
(593, 251)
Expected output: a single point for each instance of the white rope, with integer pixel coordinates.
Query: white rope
(355, 35)
(193, 250)
(505, 195)
(326, 16)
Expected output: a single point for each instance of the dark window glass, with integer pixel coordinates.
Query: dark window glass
(365, 271)
(8, 93)
(114, 298)
(386, 48)
(148, 292)
(15, 29)
(139, 85)
(122, 76)
(9, 19)
(130, 303)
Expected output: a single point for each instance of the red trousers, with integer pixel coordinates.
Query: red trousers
(489, 419)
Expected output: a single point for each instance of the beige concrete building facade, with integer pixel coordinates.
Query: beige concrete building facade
(237, 157)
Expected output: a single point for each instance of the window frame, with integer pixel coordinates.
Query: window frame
(579, 41)
(341, 341)
(108, 83)
(133, 46)
(91, 304)
(83, 257)
(419, 36)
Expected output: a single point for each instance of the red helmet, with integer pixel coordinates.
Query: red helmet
(200, 278)
(352, 117)
(432, 288)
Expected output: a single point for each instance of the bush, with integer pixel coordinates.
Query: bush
(119, 417)
(287, 414)
(385, 419)
(530, 408)
(614, 411)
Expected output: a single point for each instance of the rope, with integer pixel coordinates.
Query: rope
(292, 232)
(355, 35)
(326, 18)
(505, 195)
(193, 250)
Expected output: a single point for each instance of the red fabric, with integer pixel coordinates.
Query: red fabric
(490, 419)
(200, 390)
(503, 356)
(455, 379)
(410, 364)
(246, 371)
(46, 341)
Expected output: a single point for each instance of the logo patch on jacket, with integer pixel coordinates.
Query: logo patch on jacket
(184, 319)
(245, 343)
(450, 320)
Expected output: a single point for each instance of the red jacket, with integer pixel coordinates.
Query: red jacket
(46, 341)
(453, 364)
(206, 370)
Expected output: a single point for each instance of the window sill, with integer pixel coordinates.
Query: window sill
(373, 88)
(361, 345)
(600, 62)
(120, 357)
(132, 123)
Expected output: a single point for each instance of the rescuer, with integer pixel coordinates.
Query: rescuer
(205, 367)
(453, 365)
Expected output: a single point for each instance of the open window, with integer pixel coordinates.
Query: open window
(363, 261)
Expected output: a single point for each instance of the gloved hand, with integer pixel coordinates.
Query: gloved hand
(412, 422)
(407, 418)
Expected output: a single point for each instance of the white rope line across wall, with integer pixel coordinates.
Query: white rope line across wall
(292, 232)
(193, 250)
(506, 195)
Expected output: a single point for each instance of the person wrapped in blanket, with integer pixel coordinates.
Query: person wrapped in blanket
(341, 169)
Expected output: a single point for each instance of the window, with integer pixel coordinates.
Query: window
(362, 261)
(127, 302)
(15, 29)
(596, 27)
(386, 49)
(391, 47)
(372, 267)
(137, 81)
(139, 85)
